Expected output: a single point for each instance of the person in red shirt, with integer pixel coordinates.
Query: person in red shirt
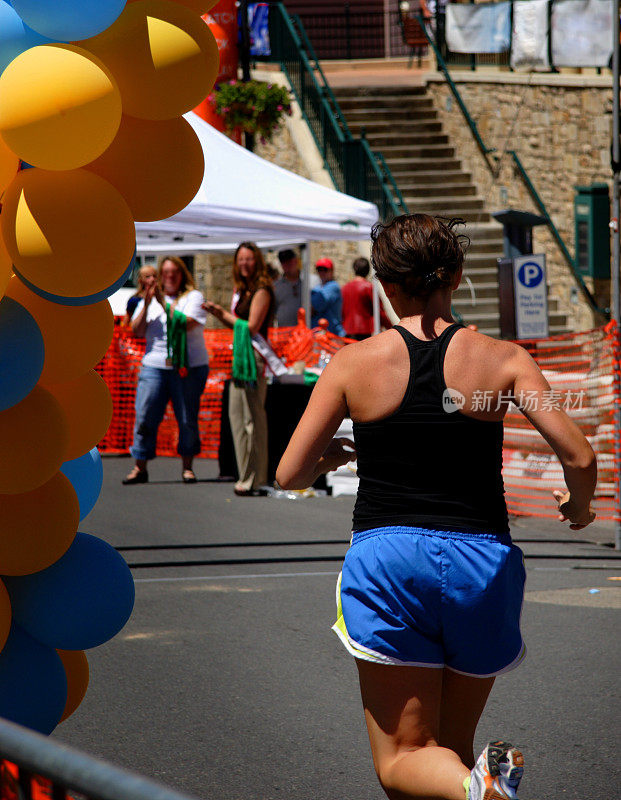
(358, 304)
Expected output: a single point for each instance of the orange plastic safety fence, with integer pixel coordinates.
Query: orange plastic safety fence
(121, 365)
(582, 369)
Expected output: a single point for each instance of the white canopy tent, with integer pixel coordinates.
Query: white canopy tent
(243, 197)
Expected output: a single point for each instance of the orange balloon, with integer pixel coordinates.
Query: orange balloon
(34, 435)
(6, 267)
(162, 56)
(38, 526)
(76, 669)
(9, 164)
(5, 615)
(157, 166)
(87, 404)
(69, 233)
(75, 337)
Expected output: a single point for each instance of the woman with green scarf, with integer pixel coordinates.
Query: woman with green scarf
(252, 312)
(175, 366)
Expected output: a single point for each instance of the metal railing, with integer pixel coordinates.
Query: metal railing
(69, 770)
(556, 235)
(351, 33)
(492, 160)
(352, 165)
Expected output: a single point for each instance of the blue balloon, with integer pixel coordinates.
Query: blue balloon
(86, 476)
(80, 301)
(81, 601)
(67, 20)
(15, 35)
(33, 683)
(22, 353)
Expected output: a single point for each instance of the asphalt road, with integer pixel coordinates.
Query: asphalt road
(227, 682)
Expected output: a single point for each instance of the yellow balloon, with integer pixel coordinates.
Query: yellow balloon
(38, 526)
(163, 57)
(87, 404)
(59, 106)
(9, 164)
(6, 267)
(68, 233)
(75, 337)
(157, 166)
(5, 615)
(34, 435)
(76, 669)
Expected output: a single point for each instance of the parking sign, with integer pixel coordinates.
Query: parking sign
(531, 296)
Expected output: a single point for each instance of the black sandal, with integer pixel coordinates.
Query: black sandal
(136, 476)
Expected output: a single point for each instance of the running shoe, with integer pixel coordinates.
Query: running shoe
(497, 773)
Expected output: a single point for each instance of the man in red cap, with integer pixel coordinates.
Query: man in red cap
(326, 298)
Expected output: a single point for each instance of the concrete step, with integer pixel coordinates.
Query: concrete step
(434, 178)
(430, 151)
(410, 166)
(477, 264)
(381, 141)
(404, 104)
(379, 91)
(479, 233)
(482, 289)
(396, 127)
(424, 205)
(488, 306)
(419, 190)
(390, 115)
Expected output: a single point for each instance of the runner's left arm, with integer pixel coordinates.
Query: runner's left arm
(312, 450)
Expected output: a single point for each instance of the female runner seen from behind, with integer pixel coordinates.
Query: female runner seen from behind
(431, 589)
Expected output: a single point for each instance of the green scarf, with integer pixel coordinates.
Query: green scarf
(244, 365)
(177, 340)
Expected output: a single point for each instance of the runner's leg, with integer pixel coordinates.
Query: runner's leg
(402, 707)
(463, 701)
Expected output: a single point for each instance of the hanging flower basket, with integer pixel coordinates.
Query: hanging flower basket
(252, 106)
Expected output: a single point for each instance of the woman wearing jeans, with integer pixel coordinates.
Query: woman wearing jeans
(174, 367)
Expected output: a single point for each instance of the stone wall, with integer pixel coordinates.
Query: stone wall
(560, 126)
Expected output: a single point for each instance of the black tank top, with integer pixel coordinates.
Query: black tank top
(427, 468)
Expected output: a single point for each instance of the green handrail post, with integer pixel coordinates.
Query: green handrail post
(350, 163)
(325, 86)
(458, 99)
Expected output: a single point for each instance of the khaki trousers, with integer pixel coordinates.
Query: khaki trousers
(249, 430)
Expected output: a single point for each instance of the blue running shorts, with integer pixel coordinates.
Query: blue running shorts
(426, 598)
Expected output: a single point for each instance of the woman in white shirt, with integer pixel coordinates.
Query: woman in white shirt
(174, 367)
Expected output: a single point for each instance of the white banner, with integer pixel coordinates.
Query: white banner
(582, 33)
(484, 28)
(529, 48)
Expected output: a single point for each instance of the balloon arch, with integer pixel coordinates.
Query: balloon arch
(92, 139)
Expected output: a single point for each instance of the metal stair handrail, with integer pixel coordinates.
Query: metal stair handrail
(352, 166)
(487, 151)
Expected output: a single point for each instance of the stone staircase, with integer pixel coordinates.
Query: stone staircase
(403, 124)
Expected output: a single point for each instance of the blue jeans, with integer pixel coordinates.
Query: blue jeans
(155, 388)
